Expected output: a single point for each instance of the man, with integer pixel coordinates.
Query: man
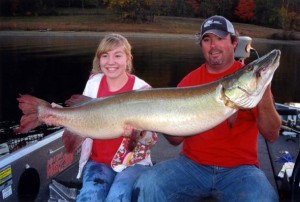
(222, 162)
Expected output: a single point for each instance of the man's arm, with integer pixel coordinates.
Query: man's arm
(269, 120)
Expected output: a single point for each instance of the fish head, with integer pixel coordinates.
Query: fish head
(247, 86)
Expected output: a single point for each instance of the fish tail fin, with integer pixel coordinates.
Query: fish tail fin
(29, 106)
(71, 142)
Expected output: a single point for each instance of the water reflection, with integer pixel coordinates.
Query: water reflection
(54, 66)
(286, 84)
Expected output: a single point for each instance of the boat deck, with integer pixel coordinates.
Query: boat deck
(269, 157)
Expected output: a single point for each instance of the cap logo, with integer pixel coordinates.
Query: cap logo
(210, 22)
(218, 26)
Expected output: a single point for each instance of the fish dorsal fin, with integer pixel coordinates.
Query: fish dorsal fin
(71, 141)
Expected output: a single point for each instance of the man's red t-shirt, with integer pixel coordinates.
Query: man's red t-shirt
(224, 145)
(103, 151)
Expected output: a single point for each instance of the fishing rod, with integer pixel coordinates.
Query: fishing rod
(289, 112)
(290, 126)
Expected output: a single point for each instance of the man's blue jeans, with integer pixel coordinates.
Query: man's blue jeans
(181, 179)
(101, 183)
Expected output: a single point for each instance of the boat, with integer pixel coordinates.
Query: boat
(286, 151)
(36, 167)
(29, 162)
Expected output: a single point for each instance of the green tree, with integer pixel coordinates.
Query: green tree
(195, 5)
(180, 8)
(225, 8)
(263, 10)
(207, 8)
(215, 7)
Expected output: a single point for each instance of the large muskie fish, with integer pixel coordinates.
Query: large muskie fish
(174, 111)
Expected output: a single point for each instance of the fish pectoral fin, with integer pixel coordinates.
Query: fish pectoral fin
(132, 133)
(134, 136)
(129, 130)
(71, 141)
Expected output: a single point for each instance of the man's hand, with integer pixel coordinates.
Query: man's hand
(269, 121)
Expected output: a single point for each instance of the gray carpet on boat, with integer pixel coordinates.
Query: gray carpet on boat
(269, 154)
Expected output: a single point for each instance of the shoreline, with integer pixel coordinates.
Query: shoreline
(162, 25)
(49, 33)
(86, 33)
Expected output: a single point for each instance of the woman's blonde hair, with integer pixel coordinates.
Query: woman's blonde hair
(108, 43)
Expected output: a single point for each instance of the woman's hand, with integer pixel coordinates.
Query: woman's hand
(77, 99)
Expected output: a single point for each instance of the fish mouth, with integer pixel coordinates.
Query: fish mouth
(244, 90)
(273, 59)
(264, 73)
(250, 86)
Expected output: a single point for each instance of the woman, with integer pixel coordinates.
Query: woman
(111, 166)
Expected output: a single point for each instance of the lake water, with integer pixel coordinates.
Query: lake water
(55, 65)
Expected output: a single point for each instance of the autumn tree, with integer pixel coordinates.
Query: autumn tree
(288, 19)
(136, 10)
(290, 15)
(245, 10)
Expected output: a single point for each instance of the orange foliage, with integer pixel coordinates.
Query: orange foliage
(245, 10)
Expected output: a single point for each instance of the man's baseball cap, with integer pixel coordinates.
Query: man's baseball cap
(217, 25)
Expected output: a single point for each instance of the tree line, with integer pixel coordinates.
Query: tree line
(284, 14)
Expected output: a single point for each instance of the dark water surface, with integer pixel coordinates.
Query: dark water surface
(55, 65)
